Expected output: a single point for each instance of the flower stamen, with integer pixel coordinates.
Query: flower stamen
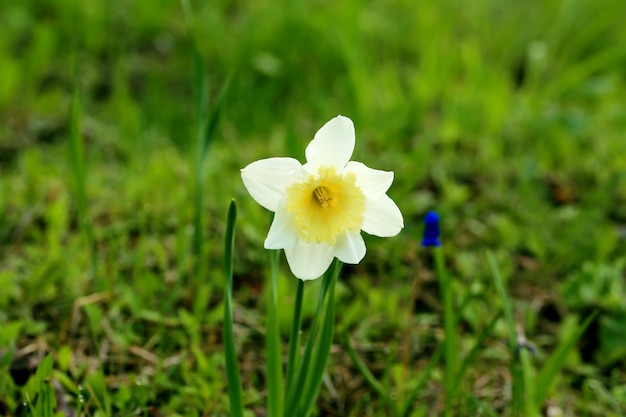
(323, 196)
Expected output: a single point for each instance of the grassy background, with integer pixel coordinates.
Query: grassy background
(506, 117)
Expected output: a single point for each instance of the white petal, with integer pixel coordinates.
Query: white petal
(283, 232)
(333, 143)
(382, 217)
(373, 182)
(309, 260)
(266, 180)
(350, 248)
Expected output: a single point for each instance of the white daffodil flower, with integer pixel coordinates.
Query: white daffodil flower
(322, 206)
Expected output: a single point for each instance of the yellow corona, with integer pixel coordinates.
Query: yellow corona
(326, 205)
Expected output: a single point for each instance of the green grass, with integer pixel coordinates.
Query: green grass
(505, 117)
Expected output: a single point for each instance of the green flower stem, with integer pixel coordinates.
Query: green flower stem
(294, 338)
(232, 366)
(272, 345)
(450, 345)
(296, 390)
(322, 345)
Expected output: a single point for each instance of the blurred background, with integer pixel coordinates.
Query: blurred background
(506, 117)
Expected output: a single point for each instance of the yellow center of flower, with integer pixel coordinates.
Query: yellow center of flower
(326, 205)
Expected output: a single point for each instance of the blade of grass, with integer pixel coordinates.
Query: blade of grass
(471, 356)
(516, 371)
(206, 127)
(44, 397)
(482, 407)
(322, 347)
(213, 119)
(96, 386)
(272, 345)
(422, 380)
(577, 74)
(369, 377)
(77, 164)
(554, 364)
(201, 89)
(529, 374)
(232, 366)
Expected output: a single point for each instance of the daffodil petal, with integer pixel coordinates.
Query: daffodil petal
(382, 217)
(283, 232)
(266, 180)
(333, 144)
(373, 182)
(309, 260)
(350, 247)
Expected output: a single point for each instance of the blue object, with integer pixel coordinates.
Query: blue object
(431, 231)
